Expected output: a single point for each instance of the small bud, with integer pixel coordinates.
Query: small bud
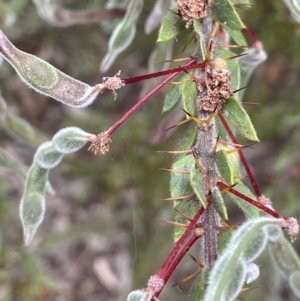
(155, 283)
(291, 225)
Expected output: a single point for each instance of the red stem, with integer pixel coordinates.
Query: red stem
(251, 201)
(143, 100)
(250, 34)
(161, 73)
(172, 261)
(243, 159)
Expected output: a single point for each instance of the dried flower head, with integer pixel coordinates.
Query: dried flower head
(190, 10)
(113, 83)
(99, 143)
(217, 82)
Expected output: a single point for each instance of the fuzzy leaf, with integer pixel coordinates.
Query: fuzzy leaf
(170, 27)
(138, 295)
(286, 259)
(239, 119)
(226, 14)
(224, 167)
(219, 204)
(69, 140)
(32, 206)
(284, 255)
(197, 184)
(189, 96)
(123, 34)
(228, 274)
(179, 182)
(294, 7)
(8, 162)
(46, 157)
(294, 282)
(199, 31)
(46, 79)
(248, 209)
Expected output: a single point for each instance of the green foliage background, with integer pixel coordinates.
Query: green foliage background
(106, 208)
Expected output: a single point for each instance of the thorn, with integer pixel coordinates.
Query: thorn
(250, 103)
(236, 56)
(187, 151)
(199, 166)
(231, 151)
(224, 190)
(210, 117)
(216, 145)
(230, 143)
(183, 215)
(185, 172)
(243, 6)
(173, 223)
(240, 177)
(174, 60)
(173, 83)
(192, 76)
(250, 288)
(178, 124)
(179, 197)
(231, 46)
(187, 278)
(228, 227)
(199, 263)
(187, 44)
(210, 42)
(192, 117)
(235, 91)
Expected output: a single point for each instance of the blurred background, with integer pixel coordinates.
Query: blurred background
(101, 236)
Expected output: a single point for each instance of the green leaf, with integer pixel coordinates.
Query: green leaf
(172, 98)
(224, 167)
(199, 285)
(223, 239)
(171, 26)
(187, 207)
(197, 184)
(219, 204)
(189, 96)
(220, 129)
(236, 35)
(239, 119)
(199, 32)
(226, 14)
(179, 182)
(249, 210)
